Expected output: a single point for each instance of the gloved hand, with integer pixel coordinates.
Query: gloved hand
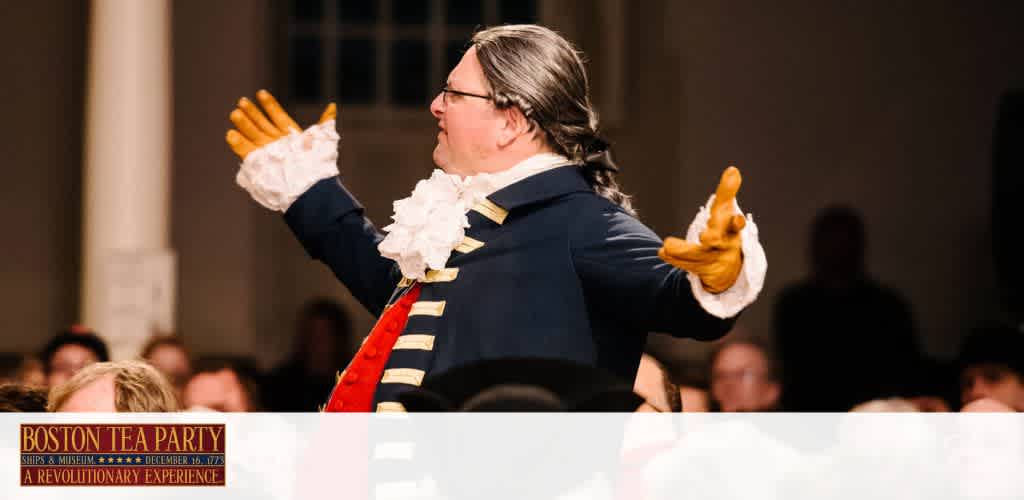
(254, 130)
(718, 259)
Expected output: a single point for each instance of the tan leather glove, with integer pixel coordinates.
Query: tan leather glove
(254, 130)
(718, 259)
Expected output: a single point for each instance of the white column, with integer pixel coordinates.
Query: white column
(128, 270)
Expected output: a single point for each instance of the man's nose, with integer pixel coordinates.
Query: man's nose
(437, 105)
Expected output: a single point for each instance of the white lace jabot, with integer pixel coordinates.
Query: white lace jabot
(431, 222)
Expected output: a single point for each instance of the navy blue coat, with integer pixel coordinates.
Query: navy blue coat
(548, 269)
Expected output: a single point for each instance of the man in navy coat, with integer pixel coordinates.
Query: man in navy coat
(521, 245)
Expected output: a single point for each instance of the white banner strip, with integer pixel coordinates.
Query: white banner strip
(575, 456)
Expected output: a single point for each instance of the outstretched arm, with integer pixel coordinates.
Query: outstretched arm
(616, 258)
(293, 171)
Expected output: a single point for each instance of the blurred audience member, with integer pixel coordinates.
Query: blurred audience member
(69, 352)
(929, 404)
(654, 385)
(691, 377)
(743, 377)
(221, 386)
(692, 380)
(694, 399)
(986, 405)
(891, 405)
(843, 337)
(31, 372)
(167, 353)
(323, 345)
(992, 366)
(522, 385)
(15, 397)
(121, 386)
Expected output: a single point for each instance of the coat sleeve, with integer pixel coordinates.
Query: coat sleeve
(329, 223)
(616, 258)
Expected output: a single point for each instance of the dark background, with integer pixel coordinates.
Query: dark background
(887, 106)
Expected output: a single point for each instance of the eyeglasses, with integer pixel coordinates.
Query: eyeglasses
(447, 90)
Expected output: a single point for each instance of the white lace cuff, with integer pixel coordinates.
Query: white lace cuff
(751, 279)
(278, 173)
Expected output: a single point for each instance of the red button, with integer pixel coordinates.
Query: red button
(370, 353)
(351, 378)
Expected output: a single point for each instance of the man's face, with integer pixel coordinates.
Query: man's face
(469, 125)
(995, 381)
(66, 362)
(220, 391)
(739, 380)
(98, 395)
(173, 362)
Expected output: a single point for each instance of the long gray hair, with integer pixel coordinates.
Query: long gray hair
(536, 70)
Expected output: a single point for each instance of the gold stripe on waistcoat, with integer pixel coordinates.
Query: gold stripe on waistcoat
(410, 376)
(413, 341)
(427, 308)
(390, 406)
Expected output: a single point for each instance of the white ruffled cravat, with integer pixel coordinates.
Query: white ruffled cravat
(431, 222)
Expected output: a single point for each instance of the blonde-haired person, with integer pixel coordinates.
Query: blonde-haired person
(890, 405)
(120, 386)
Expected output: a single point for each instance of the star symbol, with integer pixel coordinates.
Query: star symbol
(102, 460)
(119, 460)
(138, 460)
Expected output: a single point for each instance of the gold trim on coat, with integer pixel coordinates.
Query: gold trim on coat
(427, 308)
(415, 341)
(468, 245)
(492, 211)
(390, 406)
(410, 376)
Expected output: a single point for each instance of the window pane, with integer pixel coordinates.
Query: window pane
(410, 72)
(468, 12)
(357, 71)
(517, 11)
(307, 10)
(410, 12)
(358, 11)
(305, 70)
(452, 54)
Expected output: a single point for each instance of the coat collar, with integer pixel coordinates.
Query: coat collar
(544, 186)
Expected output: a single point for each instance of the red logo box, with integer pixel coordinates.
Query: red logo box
(122, 454)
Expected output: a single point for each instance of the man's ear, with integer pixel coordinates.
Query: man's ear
(514, 124)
